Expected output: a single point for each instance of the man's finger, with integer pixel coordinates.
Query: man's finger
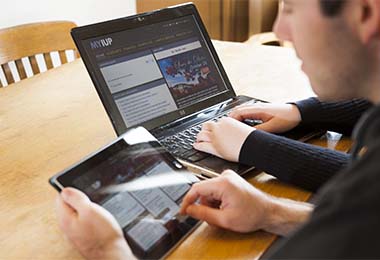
(210, 215)
(204, 136)
(208, 126)
(209, 188)
(271, 126)
(249, 113)
(229, 172)
(75, 198)
(204, 147)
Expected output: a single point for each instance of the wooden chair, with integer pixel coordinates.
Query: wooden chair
(268, 38)
(26, 41)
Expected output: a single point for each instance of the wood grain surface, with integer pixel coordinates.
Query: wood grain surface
(52, 120)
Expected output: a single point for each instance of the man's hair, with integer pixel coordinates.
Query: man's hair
(331, 7)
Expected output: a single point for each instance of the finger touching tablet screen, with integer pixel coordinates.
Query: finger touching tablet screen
(142, 185)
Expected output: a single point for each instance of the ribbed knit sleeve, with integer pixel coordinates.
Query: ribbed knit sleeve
(335, 116)
(304, 165)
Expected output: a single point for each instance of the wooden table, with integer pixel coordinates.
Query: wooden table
(51, 120)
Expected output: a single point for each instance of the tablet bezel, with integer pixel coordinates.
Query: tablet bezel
(143, 134)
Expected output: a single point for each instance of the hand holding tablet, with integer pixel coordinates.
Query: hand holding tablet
(141, 185)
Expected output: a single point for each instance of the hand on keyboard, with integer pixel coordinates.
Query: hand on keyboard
(276, 118)
(223, 138)
(181, 144)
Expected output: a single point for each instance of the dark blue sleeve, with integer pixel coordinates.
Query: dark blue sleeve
(334, 116)
(304, 165)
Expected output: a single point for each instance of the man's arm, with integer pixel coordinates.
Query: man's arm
(232, 203)
(279, 118)
(345, 222)
(335, 116)
(304, 165)
(285, 216)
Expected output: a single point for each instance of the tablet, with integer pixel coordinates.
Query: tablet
(142, 185)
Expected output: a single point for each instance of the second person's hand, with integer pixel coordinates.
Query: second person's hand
(277, 118)
(223, 138)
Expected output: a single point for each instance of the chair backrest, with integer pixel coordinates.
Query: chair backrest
(29, 40)
(267, 38)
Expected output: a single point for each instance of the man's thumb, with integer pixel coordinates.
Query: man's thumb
(75, 198)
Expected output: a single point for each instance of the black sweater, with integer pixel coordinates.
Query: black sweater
(301, 164)
(345, 223)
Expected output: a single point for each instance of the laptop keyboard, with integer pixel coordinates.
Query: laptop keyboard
(181, 144)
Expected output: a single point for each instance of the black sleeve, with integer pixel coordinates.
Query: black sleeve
(335, 116)
(345, 224)
(303, 165)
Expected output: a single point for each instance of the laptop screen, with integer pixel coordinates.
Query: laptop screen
(155, 71)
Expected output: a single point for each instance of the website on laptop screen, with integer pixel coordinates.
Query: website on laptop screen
(156, 69)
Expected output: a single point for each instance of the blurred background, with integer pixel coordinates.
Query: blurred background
(79, 11)
(45, 44)
(230, 20)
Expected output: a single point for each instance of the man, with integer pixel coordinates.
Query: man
(339, 44)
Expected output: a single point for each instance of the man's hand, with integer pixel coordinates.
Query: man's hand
(277, 118)
(229, 202)
(223, 138)
(232, 203)
(91, 228)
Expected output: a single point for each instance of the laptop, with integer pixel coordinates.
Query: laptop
(160, 70)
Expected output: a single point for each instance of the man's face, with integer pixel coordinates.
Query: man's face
(332, 57)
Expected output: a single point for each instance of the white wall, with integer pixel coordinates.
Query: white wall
(80, 11)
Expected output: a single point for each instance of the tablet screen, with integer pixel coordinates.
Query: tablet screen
(139, 185)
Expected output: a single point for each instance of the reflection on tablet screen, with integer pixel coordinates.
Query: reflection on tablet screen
(142, 185)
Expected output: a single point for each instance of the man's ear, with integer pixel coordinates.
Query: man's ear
(369, 20)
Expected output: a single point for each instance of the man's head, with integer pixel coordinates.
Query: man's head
(339, 44)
